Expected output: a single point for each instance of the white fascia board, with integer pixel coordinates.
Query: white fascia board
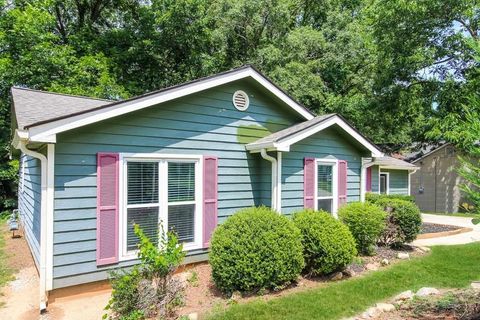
(37, 133)
(398, 168)
(280, 94)
(18, 136)
(323, 125)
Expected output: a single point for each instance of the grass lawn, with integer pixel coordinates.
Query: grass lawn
(445, 267)
(463, 215)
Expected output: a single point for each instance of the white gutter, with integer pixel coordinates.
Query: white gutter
(43, 221)
(265, 156)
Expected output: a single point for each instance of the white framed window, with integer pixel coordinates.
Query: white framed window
(384, 181)
(160, 192)
(326, 182)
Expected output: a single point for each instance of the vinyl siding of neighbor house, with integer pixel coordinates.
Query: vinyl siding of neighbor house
(330, 143)
(437, 176)
(29, 202)
(206, 123)
(398, 181)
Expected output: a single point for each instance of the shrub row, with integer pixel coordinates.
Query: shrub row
(258, 248)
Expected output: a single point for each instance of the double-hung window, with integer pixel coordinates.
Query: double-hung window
(161, 193)
(327, 184)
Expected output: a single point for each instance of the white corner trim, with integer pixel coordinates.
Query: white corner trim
(43, 297)
(50, 211)
(279, 181)
(50, 129)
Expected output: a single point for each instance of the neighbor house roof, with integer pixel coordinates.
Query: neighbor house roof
(392, 163)
(33, 106)
(283, 139)
(73, 116)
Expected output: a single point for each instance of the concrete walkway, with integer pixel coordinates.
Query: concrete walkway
(462, 238)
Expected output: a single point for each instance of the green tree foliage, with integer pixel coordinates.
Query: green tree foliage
(390, 67)
(462, 128)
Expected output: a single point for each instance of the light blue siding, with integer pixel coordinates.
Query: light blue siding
(398, 181)
(330, 143)
(206, 123)
(29, 203)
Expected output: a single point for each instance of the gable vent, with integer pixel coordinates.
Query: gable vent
(240, 100)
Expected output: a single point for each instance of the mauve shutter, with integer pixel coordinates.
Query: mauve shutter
(309, 183)
(107, 208)
(368, 187)
(342, 182)
(210, 197)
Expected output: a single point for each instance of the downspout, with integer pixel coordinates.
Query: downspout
(43, 222)
(267, 157)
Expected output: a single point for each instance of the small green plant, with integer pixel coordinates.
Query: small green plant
(366, 221)
(148, 289)
(255, 248)
(328, 245)
(193, 279)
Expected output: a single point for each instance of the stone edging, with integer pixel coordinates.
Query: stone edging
(443, 234)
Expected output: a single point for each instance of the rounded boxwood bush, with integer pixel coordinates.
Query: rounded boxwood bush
(255, 249)
(403, 222)
(366, 222)
(328, 245)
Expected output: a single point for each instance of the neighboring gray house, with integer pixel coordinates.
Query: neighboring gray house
(436, 184)
(186, 157)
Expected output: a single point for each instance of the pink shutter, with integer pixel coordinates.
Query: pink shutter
(368, 186)
(210, 197)
(107, 208)
(342, 182)
(309, 183)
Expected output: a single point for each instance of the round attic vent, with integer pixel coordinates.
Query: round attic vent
(240, 100)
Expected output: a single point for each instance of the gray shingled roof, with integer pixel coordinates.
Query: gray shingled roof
(393, 162)
(282, 134)
(32, 106)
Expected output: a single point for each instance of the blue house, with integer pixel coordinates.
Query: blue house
(186, 157)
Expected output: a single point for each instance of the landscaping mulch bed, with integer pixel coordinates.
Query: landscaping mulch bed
(436, 228)
(201, 295)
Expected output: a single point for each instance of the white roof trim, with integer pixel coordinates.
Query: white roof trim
(284, 144)
(48, 130)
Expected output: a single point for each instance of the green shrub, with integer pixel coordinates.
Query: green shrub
(366, 222)
(255, 249)
(403, 221)
(375, 197)
(328, 245)
(148, 289)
